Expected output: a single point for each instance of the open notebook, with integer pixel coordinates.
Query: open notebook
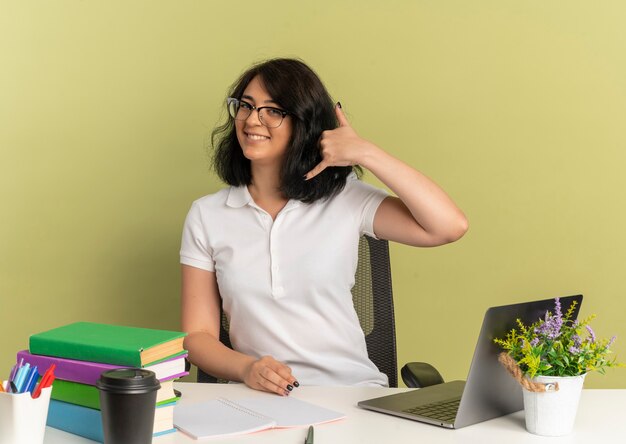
(224, 417)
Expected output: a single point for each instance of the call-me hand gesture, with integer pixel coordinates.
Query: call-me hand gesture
(341, 146)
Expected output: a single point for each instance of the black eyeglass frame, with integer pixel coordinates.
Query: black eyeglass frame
(238, 102)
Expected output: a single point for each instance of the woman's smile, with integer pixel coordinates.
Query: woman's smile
(255, 136)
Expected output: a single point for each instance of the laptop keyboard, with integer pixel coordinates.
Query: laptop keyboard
(442, 410)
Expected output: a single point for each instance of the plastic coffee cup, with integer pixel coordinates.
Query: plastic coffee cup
(127, 404)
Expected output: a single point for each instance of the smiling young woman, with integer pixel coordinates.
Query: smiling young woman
(263, 131)
(277, 249)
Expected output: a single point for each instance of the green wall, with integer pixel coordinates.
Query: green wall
(515, 107)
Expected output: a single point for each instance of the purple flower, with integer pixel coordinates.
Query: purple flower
(574, 350)
(557, 308)
(534, 342)
(592, 335)
(611, 341)
(551, 325)
(557, 319)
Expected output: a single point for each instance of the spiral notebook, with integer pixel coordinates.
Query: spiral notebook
(225, 417)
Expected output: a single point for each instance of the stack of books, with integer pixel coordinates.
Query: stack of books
(83, 350)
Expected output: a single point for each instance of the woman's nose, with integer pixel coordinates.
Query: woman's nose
(254, 118)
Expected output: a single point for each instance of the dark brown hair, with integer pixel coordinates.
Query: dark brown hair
(296, 88)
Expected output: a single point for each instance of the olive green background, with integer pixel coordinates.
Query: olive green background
(515, 107)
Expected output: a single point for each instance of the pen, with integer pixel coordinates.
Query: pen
(46, 381)
(50, 380)
(30, 380)
(309, 436)
(31, 387)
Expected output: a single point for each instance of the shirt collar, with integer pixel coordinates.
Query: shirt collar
(240, 196)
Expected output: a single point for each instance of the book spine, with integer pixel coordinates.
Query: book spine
(41, 345)
(75, 393)
(89, 396)
(75, 419)
(84, 372)
(87, 422)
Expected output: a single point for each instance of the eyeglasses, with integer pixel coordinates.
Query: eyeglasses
(268, 115)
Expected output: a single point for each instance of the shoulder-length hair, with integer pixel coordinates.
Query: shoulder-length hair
(296, 88)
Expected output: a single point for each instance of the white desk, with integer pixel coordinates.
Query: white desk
(601, 419)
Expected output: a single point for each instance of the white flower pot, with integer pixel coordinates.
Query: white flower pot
(553, 413)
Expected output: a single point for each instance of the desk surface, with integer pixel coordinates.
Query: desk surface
(601, 418)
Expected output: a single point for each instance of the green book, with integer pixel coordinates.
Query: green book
(76, 393)
(89, 396)
(110, 344)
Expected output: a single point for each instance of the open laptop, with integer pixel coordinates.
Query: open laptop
(490, 391)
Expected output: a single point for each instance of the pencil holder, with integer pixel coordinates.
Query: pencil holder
(22, 418)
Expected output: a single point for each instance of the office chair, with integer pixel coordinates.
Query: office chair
(373, 301)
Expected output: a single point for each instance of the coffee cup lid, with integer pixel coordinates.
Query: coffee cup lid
(128, 380)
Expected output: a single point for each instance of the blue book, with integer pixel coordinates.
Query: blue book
(86, 422)
(75, 419)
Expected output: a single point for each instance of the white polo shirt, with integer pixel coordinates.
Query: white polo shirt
(285, 284)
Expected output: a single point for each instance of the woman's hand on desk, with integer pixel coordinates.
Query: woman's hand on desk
(269, 375)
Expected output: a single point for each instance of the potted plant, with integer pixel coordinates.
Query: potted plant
(550, 358)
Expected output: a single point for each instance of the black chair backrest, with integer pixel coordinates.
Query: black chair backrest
(373, 301)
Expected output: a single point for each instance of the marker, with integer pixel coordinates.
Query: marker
(14, 374)
(21, 376)
(11, 377)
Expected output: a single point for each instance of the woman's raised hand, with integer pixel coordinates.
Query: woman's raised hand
(269, 375)
(341, 146)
